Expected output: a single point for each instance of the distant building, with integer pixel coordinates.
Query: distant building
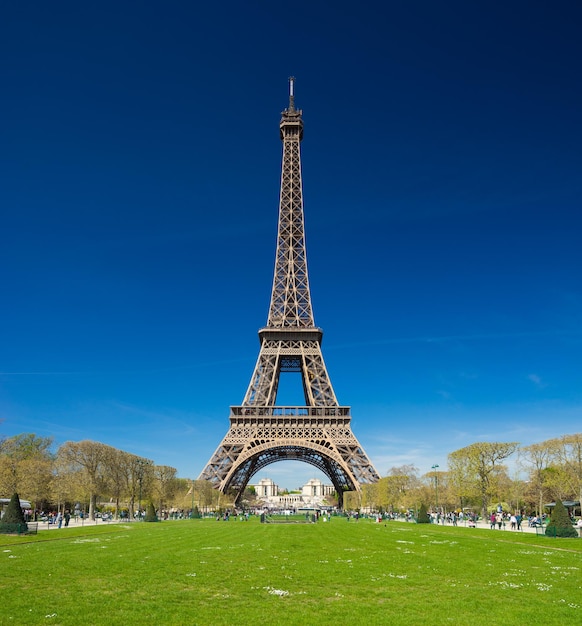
(313, 494)
(315, 488)
(266, 488)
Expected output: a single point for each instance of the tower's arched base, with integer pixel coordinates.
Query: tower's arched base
(260, 436)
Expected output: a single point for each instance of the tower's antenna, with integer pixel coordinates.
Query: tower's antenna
(291, 93)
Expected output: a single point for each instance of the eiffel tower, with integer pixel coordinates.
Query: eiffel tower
(318, 432)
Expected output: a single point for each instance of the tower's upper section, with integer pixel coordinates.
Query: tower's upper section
(290, 298)
(291, 123)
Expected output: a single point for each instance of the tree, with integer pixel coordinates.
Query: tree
(139, 478)
(569, 456)
(87, 461)
(478, 465)
(164, 484)
(26, 466)
(370, 496)
(115, 461)
(560, 524)
(205, 494)
(399, 489)
(537, 458)
(352, 500)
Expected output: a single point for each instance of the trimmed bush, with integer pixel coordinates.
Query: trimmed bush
(150, 515)
(13, 518)
(560, 524)
(423, 517)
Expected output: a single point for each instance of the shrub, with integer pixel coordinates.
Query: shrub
(560, 524)
(150, 515)
(13, 515)
(423, 517)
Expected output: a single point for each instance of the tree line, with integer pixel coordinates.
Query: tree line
(86, 473)
(477, 478)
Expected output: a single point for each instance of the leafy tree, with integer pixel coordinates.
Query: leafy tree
(478, 465)
(352, 500)
(13, 514)
(569, 456)
(560, 524)
(399, 489)
(205, 494)
(87, 461)
(26, 466)
(423, 517)
(370, 496)
(536, 458)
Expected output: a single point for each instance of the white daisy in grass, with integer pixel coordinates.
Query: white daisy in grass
(276, 592)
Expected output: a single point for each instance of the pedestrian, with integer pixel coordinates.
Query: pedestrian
(492, 521)
(67, 517)
(60, 519)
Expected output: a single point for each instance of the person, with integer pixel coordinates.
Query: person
(518, 519)
(67, 518)
(492, 521)
(499, 519)
(513, 521)
(60, 519)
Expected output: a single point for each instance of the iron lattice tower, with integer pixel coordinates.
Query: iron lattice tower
(318, 432)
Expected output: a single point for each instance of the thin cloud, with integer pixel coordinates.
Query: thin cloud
(537, 381)
(447, 338)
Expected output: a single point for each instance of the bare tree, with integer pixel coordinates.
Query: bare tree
(139, 474)
(164, 484)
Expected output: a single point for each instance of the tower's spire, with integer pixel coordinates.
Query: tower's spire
(291, 94)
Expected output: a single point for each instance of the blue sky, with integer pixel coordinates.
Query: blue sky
(442, 169)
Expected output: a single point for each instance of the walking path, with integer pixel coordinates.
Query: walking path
(80, 523)
(485, 524)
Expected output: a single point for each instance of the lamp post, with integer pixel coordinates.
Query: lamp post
(436, 485)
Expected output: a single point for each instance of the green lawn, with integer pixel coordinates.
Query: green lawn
(208, 572)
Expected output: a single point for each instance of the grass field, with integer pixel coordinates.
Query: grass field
(208, 572)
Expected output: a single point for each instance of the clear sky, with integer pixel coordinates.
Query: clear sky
(139, 180)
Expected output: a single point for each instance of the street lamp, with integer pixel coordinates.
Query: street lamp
(436, 485)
